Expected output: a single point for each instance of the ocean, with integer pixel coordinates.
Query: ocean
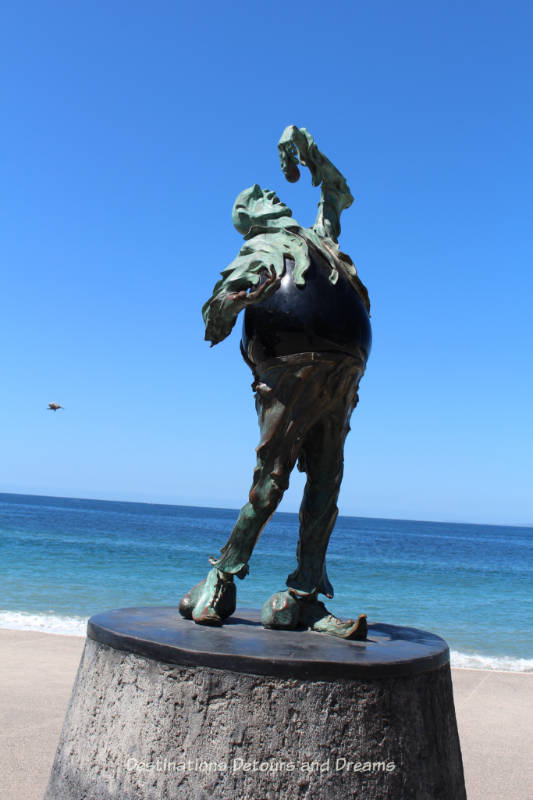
(62, 560)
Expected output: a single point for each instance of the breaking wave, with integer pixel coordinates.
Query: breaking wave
(500, 663)
(45, 623)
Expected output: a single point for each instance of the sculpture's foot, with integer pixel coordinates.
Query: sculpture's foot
(284, 611)
(211, 601)
(281, 612)
(320, 620)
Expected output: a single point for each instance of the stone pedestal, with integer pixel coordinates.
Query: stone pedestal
(165, 709)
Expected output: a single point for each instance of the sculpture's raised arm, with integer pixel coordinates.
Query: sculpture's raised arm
(298, 146)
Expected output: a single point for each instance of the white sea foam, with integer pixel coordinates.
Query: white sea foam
(45, 623)
(477, 661)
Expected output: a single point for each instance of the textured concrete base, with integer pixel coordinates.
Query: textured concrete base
(140, 729)
(37, 671)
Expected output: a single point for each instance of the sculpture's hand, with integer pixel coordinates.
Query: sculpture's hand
(221, 312)
(293, 148)
(246, 298)
(298, 146)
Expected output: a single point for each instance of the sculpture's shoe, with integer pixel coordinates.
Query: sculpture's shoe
(285, 611)
(211, 601)
(189, 600)
(281, 611)
(316, 617)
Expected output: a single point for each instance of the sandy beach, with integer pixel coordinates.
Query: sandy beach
(37, 671)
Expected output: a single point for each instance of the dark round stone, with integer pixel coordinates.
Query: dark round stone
(243, 645)
(317, 317)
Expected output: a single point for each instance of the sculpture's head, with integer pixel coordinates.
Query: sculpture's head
(258, 208)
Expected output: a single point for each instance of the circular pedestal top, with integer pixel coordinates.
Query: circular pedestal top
(243, 645)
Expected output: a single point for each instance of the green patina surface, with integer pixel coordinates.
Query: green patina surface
(304, 401)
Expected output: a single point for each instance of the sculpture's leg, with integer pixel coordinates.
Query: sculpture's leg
(282, 411)
(285, 410)
(321, 457)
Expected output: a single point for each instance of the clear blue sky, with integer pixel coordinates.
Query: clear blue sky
(128, 129)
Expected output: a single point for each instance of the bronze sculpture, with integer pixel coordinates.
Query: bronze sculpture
(306, 337)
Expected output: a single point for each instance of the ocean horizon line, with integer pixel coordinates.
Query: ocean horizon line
(236, 509)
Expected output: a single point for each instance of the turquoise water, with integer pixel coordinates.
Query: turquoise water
(62, 560)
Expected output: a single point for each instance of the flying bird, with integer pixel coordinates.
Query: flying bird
(53, 406)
